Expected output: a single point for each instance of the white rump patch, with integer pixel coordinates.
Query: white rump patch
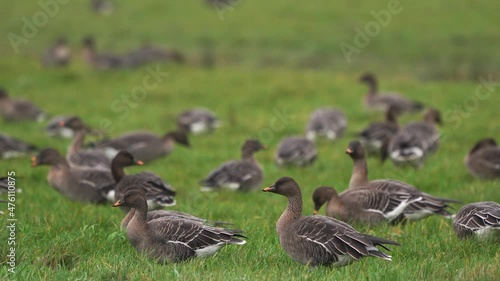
(410, 154)
(311, 135)
(232, 185)
(198, 127)
(110, 196)
(208, 251)
(110, 152)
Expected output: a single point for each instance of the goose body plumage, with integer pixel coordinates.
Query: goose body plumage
(198, 120)
(483, 161)
(298, 151)
(327, 122)
(13, 110)
(481, 219)
(11, 147)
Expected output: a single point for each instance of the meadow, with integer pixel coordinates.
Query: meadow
(275, 62)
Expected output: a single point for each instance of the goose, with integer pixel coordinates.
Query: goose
(75, 183)
(328, 122)
(103, 7)
(483, 160)
(57, 55)
(481, 219)
(245, 174)
(148, 54)
(11, 147)
(378, 134)
(19, 109)
(172, 239)
(54, 128)
(416, 141)
(319, 240)
(298, 151)
(158, 192)
(363, 205)
(101, 61)
(197, 121)
(383, 101)
(428, 205)
(144, 145)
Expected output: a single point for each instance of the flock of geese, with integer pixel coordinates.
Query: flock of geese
(95, 174)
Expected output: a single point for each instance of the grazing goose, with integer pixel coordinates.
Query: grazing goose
(146, 146)
(416, 141)
(54, 128)
(101, 61)
(376, 134)
(57, 55)
(363, 205)
(11, 147)
(383, 101)
(19, 109)
(158, 192)
(197, 121)
(428, 205)
(298, 151)
(327, 122)
(148, 54)
(103, 7)
(76, 183)
(483, 161)
(481, 219)
(172, 239)
(245, 174)
(319, 240)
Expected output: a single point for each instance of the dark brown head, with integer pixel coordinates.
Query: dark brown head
(368, 78)
(484, 143)
(433, 116)
(74, 123)
(285, 186)
(3, 94)
(134, 197)
(125, 159)
(355, 150)
(47, 156)
(322, 195)
(88, 42)
(251, 146)
(179, 137)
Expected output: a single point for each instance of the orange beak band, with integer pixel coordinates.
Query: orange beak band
(315, 212)
(269, 189)
(33, 162)
(140, 163)
(265, 147)
(61, 123)
(118, 203)
(348, 151)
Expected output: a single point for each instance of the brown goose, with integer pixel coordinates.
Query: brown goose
(11, 147)
(383, 101)
(327, 122)
(483, 160)
(416, 141)
(245, 174)
(319, 240)
(172, 239)
(57, 55)
(363, 205)
(197, 121)
(377, 134)
(146, 146)
(481, 219)
(75, 183)
(158, 192)
(298, 151)
(101, 61)
(54, 128)
(19, 109)
(428, 205)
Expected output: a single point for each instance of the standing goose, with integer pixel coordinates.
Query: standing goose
(76, 183)
(11, 147)
(158, 192)
(146, 146)
(57, 55)
(19, 109)
(483, 160)
(416, 141)
(375, 136)
(481, 219)
(197, 121)
(327, 122)
(428, 205)
(245, 174)
(383, 101)
(363, 205)
(298, 151)
(172, 239)
(319, 240)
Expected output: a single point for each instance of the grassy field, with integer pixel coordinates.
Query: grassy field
(273, 59)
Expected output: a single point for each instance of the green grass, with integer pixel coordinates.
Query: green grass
(265, 66)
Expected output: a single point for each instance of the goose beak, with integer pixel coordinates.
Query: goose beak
(271, 188)
(348, 151)
(118, 203)
(33, 161)
(140, 163)
(61, 123)
(265, 147)
(315, 212)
